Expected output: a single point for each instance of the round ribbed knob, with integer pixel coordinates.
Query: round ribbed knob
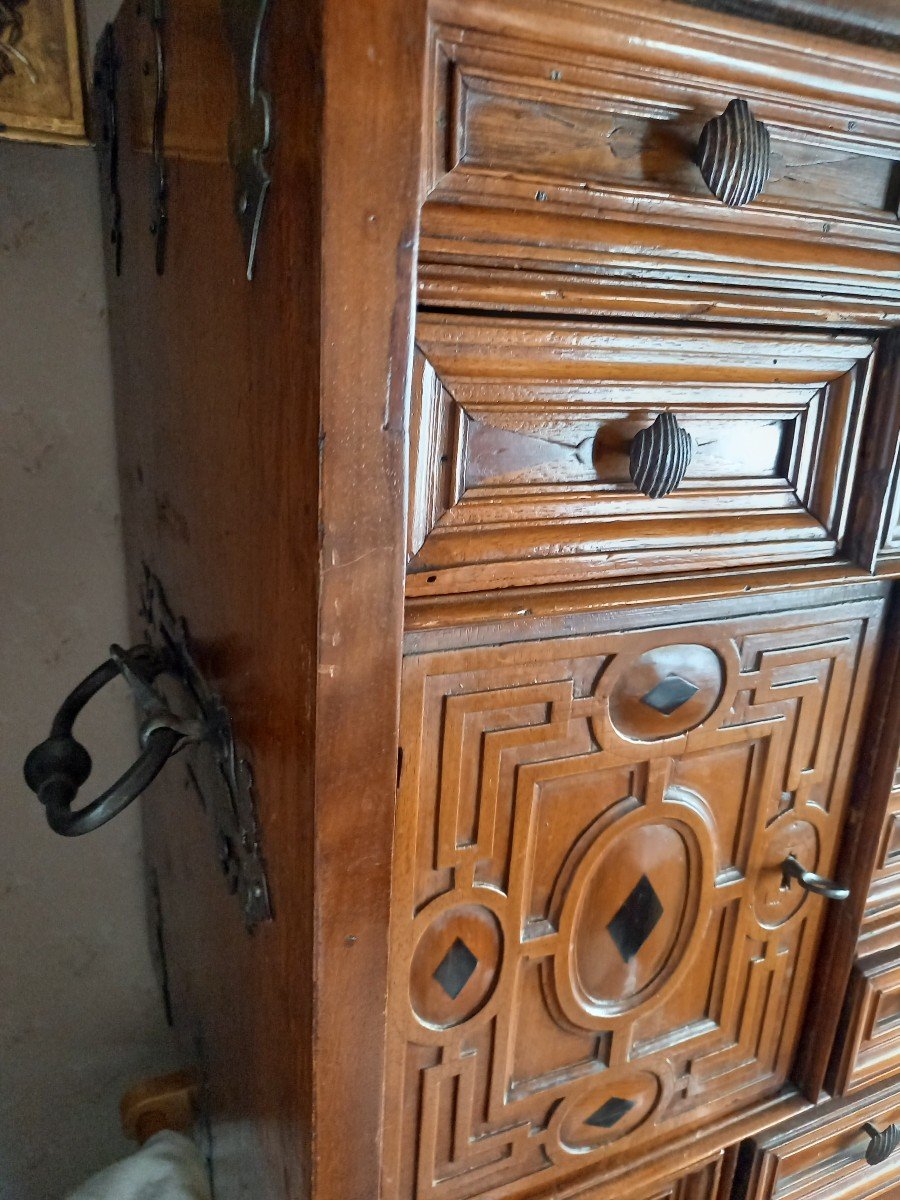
(882, 1144)
(660, 456)
(734, 154)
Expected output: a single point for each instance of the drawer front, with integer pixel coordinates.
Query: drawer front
(565, 137)
(870, 1044)
(521, 450)
(822, 1155)
(595, 960)
(867, 1046)
(875, 540)
(881, 919)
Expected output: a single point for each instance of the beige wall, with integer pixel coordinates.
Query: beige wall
(80, 1013)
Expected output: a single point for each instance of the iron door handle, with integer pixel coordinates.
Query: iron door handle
(56, 768)
(812, 882)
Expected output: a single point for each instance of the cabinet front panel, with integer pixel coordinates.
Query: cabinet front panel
(875, 526)
(881, 919)
(822, 1155)
(522, 436)
(870, 1043)
(594, 951)
(565, 137)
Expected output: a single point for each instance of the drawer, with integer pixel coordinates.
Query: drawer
(597, 967)
(875, 540)
(521, 449)
(881, 918)
(869, 1043)
(822, 1155)
(563, 137)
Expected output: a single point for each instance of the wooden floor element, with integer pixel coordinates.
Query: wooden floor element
(166, 1102)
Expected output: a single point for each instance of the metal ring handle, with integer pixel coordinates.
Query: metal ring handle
(57, 768)
(811, 882)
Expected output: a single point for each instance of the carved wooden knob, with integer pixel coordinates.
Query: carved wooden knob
(660, 456)
(733, 155)
(882, 1144)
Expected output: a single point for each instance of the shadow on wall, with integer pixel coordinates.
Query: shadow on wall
(81, 1017)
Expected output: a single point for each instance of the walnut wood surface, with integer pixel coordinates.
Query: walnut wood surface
(869, 22)
(821, 1154)
(545, 799)
(520, 449)
(546, 117)
(243, 411)
(875, 538)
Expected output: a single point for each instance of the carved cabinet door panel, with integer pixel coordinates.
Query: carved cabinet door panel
(596, 958)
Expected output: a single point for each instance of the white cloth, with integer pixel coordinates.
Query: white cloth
(167, 1167)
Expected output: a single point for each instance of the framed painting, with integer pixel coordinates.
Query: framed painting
(41, 84)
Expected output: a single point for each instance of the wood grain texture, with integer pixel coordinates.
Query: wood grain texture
(241, 410)
(865, 931)
(821, 1154)
(875, 528)
(574, 293)
(868, 22)
(600, 863)
(520, 470)
(549, 148)
(869, 1039)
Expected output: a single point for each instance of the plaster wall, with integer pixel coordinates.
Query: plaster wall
(81, 1017)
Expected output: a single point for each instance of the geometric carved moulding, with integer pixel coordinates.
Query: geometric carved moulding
(40, 72)
(534, 162)
(542, 454)
(591, 941)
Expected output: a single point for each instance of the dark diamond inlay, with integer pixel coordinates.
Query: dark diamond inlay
(636, 919)
(670, 693)
(610, 1112)
(455, 969)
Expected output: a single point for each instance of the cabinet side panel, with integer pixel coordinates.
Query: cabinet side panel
(217, 398)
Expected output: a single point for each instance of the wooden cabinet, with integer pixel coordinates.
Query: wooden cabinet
(532, 509)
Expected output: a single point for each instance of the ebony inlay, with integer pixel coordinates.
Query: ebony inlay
(455, 969)
(669, 694)
(610, 1112)
(636, 919)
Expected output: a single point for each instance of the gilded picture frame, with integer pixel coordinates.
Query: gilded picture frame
(41, 82)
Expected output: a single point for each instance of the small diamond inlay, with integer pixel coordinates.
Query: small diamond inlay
(636, 919)
(610, 1112)
(455, 969)
(669, 694)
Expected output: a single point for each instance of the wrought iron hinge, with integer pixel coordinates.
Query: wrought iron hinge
(218, 767)
(106, 127)
(250, 132)
(160, 183)
(155, 65)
